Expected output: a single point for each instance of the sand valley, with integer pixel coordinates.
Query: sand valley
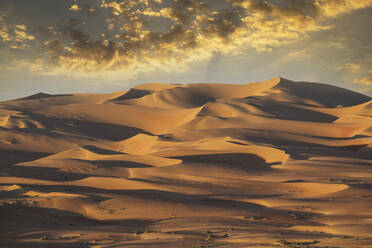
(266, 164)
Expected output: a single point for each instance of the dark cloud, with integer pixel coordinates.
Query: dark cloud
(223, 23)
(185, 11)
(118, 35)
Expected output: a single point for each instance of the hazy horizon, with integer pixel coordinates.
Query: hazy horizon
(106, 45)
(105, 91)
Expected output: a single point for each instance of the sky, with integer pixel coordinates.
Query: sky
(65, 46)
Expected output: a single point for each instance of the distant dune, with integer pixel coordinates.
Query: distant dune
(272, 163)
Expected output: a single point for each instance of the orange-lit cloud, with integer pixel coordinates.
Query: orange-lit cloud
(74, 7)
(354, 68)
(14, 36)
(332, 8)
(186, 31)
(367, 80)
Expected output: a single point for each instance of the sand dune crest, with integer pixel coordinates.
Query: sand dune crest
(273, 163)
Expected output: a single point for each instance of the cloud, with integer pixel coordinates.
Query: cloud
(354, 68)
(4, 29)
(332, 8)
(185, 11)
(367, 80)
(364, 80)
(118, 8)
(20, 33)
(14, 36)
(74, 7)
(142, 35)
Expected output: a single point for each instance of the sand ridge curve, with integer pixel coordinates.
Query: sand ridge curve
(272, 163)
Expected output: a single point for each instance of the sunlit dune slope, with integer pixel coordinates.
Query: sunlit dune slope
(193, 165)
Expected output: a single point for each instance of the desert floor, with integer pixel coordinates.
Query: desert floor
(273, 163)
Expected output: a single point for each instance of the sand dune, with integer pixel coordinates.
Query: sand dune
(273, 163)
(196, 95)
